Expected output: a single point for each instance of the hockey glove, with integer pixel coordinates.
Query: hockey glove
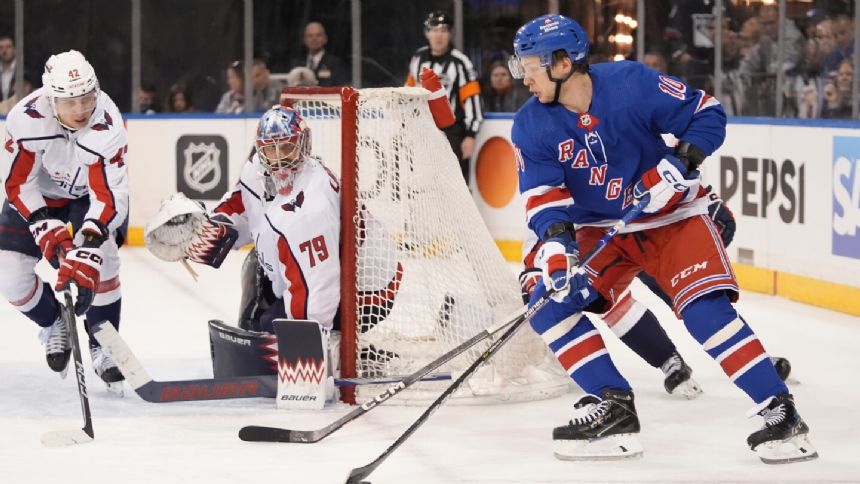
(214, 241)
(81, 266)
(667, 183)
(51, 235)
(722, 216)
(558, 259)
(529, 278)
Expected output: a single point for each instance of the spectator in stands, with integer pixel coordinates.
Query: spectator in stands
(749, 35)
(843, 38)
(459, 79)
(837, 95)
(731, 95)
(7, 67)
(179, 99)
(7, 104)
(266, 92)
(807, 81)
(301, 76)
(146, 99)
(827, 44)
(657, 61)
(328, 69)
(501, 95)
(761, 64)
(233, 101)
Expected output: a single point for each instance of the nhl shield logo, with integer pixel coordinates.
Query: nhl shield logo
(201, 171)
(202, 166)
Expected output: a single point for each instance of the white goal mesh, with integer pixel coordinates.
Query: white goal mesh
(428, 275)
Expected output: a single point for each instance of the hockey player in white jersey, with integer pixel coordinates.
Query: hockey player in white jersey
(64, 161)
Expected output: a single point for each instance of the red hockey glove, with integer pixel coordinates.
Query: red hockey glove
(81, 266)
(667, 183)
(52, 237)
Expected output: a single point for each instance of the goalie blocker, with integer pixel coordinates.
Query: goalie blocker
(298, 352)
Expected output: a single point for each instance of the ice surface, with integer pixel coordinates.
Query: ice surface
(164, 322)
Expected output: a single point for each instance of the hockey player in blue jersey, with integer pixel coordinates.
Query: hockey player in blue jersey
(589, 145)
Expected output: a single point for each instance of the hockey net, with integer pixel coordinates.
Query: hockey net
(421, 273)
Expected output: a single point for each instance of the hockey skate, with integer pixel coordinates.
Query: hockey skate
(784, 436)
(679, 378)
(107, 370)
(604, 429)
(57, 346)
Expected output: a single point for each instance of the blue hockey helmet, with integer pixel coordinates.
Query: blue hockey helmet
(547, 34)
(283, 140)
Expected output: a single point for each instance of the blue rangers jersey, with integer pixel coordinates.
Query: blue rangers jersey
(581, 167)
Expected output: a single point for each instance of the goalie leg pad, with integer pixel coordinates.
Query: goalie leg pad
(237, 352)
(304, 381)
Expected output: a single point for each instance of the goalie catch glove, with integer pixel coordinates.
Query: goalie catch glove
(183, 230)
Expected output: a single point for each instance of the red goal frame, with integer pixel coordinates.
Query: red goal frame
(348, 213)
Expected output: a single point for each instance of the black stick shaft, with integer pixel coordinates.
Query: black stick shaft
(68, 312)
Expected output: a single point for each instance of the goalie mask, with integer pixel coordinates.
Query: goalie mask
(72, 88)
(283, 141)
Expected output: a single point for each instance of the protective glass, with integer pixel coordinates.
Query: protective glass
(76, 106)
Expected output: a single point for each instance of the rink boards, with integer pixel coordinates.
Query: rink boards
(793, 185)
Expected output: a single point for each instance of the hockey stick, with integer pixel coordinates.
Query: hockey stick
(357, 475)
(155, 391)
(254, 433)
(58, 438)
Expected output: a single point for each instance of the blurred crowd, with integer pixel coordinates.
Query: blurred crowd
(815, 65)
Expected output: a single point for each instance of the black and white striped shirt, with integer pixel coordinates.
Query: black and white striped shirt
(458, 77)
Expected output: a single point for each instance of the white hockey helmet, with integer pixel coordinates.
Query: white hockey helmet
(68, 75)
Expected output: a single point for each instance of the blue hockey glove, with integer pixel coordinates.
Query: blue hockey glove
(722, 216)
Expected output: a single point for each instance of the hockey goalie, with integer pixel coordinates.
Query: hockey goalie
(287, 203)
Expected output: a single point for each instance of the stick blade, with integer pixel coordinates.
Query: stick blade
(65, 438)
(357, 475)
(256, 433)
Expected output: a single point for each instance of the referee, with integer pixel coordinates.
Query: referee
(458, 76)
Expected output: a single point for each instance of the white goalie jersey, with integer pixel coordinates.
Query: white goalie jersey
(297, 237)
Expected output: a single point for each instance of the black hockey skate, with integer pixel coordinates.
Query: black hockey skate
(107, 370)
(679, 378)
(58, 348)
(782, 365)
(607, 429)
(783, 437)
